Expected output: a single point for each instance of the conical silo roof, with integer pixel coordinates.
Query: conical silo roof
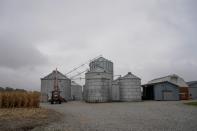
(130, 76)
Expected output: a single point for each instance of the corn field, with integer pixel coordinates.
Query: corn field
(19, 99)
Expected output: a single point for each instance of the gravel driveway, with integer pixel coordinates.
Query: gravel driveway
(134, 116)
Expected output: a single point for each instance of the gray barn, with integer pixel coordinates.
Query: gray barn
(76, 91)
(161, 91)
(47, 85)
(193, 89)
(171, 87)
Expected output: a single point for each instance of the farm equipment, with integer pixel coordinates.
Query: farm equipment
(55, 96)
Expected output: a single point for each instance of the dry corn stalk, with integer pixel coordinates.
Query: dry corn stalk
(19, 99)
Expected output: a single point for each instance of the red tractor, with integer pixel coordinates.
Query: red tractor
(55, 97)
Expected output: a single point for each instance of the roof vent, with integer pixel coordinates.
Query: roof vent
(129, 73)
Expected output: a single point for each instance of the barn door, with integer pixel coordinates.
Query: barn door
(167, 95)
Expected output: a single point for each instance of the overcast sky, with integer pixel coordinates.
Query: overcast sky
(150, 38)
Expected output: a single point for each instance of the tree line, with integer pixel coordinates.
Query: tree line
(9, 89)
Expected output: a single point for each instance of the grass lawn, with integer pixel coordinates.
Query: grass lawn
(192, 103)
(23, 119)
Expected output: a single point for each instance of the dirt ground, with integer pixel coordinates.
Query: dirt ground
(133, 116)
(24, 119)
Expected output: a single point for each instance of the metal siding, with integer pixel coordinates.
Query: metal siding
(97, 87)
(130, 89)
(47, 87)
(97, 90)
(167, 95)
(104, 63)
(115, 91)
(175, 79)
(76, 91)
(99, 75)
(193, 92)
(159, 88)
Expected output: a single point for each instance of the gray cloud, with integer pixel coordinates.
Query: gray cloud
(149, 38)
(18, 53)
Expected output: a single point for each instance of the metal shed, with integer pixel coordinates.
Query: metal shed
(47, 85)
(161, 91)
(167, 81)
(193, 89)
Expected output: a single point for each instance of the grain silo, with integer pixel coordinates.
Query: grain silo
(130, 88)
(102, 63)
(76, 91)
(98, 81)
(47, 86)
(116, 90)
(97, 87)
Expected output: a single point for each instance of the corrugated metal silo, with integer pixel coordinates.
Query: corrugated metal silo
(76, 91)
(97, 87)
(99, 81)
(102, 63)
(130, 88)
(116, 90)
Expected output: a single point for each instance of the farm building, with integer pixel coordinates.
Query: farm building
(102, 63)
(47, 86)
(116, 90)
(100, 86)
(76, 91)
(130, 88)
(193, 89)
(127, 88)
(171, 87)
(98, 81)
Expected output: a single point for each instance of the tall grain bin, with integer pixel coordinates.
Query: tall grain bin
(116, 90)
(47, 85)
(98, 82)
(76, 91)
(97, 87)
(102, 63)
(130, 88)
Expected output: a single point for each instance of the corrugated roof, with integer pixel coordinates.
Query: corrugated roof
(146, 85)
(175, 79)
(101, 59)
(52, 75)
(130, 76)
(191, 83)
(73, 83)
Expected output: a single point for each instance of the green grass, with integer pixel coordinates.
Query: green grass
(192, 103)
